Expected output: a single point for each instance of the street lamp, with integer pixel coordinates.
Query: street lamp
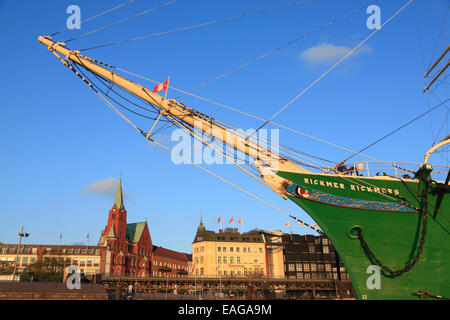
(21, 235)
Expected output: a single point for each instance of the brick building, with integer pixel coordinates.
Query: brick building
(166, 262)
(129, 245)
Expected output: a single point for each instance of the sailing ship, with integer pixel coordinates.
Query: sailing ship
(395, 224)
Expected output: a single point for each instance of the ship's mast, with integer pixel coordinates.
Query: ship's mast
(174, 109)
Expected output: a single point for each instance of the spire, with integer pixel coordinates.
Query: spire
(119, 198)
(201, 227)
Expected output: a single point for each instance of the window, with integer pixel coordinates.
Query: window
(298, 266)
(83, 250)
(90, 250)
(299, 275)
(25, 260)
(202, 271)
(27, 250)
(260, 250)
(313, 267)
(76, 250)
(89, 262)
(311, 249)
(34, 250)
(11, 250)
(291, 267)
(219, 259)
(237, 249)
(224, 259)
(83, 262)
(3, 250)
(231, 249)
(306, 267)
(325, 241)
(224, 249)
(68, 261)
(75, 261)
(245, 249)
(238, 259)
(219, 249)
(231, 259)
(307, 276)
(201, 260)
(328, 267)
(32, 260)
(326, 249)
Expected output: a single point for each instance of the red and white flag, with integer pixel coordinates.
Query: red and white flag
(193, 268)
(231, 220)
(161, 87)
(220, 219)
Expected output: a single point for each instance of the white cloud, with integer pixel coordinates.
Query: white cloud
(104, 187)
(326, 53)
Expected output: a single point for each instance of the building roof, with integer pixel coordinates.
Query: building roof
(111, 233)
(119, 197)
(167, 253)
(135, 230)
(207, 235)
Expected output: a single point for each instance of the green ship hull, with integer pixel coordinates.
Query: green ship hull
(390, 214)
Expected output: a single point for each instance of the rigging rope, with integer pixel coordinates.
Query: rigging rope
(394, 131)
(96, 16)
(244, 113)
(111, 107)
(303, 36)
(122, 20)
(198, 25)
(334, 66)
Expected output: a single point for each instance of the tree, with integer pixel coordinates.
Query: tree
(6, 267)
(47, 270)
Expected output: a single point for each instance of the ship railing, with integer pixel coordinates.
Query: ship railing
(404, 170)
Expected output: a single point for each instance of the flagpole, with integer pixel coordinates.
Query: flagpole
(168, 80)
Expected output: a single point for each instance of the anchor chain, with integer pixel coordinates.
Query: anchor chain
(410, 264)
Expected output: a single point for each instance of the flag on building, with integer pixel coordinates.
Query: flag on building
(161, 87)
(231, 220)
(220, 219)
(287, 224)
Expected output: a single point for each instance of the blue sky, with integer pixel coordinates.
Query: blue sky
(59, 142)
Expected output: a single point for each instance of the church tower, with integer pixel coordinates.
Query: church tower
(115, 235)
